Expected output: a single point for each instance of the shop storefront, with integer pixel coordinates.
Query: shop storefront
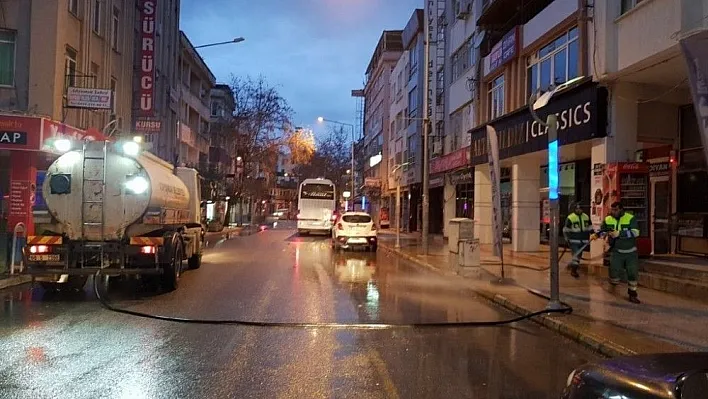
(689, 226)
(25, 152)
(582, 116)
(449, 170)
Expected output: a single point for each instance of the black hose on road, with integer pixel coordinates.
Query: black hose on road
(566, 309)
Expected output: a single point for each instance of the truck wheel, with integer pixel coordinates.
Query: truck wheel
(172, 269)
(195, 261)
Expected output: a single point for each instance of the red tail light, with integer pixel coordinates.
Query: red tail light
(39, 249)
(339, 226)
(148, 249)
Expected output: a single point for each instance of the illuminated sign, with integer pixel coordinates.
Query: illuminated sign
(553, 170)
(375, 160)
(146, 60)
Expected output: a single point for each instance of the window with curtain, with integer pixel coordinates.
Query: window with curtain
(496, 97)
(7, 57)
(555, 63)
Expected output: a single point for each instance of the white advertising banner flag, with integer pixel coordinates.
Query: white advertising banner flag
(495, 180)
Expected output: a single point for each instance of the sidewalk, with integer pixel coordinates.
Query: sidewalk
(602, 319)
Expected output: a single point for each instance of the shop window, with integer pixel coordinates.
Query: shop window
(74, 7)
(413, 103)
(555, 63)
(96, 20)
(465, 201)
(629, 4)
(690, 133)
(462, 60)
(413, 62)
(7, 57)
(70, 67)
(496, 97)
(692, 190)
(115, 30)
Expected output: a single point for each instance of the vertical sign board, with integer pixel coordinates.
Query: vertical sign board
(146, 101)
(495, 179)
(695, 50)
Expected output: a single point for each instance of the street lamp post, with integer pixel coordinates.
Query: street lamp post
(321, 119)
(398, 202)
(551, 122)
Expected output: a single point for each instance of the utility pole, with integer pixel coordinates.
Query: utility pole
(426, 121)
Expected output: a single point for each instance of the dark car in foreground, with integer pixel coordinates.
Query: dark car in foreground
(666, 375)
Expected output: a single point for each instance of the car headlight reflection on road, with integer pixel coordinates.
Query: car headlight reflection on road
(137, 185)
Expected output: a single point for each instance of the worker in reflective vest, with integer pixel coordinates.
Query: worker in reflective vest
(577, 231)
(623, 230)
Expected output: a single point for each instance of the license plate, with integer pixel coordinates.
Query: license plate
(44, 258)
(357, 240)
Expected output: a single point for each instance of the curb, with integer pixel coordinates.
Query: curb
(14, 280)
(552, 322)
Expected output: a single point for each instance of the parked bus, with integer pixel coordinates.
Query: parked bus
(316, 206)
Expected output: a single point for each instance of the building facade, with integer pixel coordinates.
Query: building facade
(65, 71)
(377, 98)
(222, 135)
(500, 53)
(398, 139)
(197, 81)
(652, 117)
(410, 121)
(156, 87)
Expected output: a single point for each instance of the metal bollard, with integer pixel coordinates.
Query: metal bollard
(19, 228)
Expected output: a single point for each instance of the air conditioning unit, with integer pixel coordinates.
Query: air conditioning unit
(462, 9)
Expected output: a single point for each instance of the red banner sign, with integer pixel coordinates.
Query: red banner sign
(453, 160)
(146, 101)
(20, 133)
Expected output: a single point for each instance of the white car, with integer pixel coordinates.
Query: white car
(354, 229)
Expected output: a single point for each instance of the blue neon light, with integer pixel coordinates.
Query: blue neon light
(363, 203)
(553, 170)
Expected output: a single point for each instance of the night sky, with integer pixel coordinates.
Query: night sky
(314, 51)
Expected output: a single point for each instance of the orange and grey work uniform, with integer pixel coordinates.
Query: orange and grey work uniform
(577, 231)
(624, 253)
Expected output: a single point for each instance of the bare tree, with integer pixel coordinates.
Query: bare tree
(262, 122)
(331, 159)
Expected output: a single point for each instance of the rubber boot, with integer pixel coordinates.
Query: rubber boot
(633, 297)
(574, 271)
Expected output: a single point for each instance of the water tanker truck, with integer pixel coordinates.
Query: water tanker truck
(116, 208)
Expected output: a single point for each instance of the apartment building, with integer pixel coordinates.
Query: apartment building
(222, 145)
(197, 81)
(377, 98)
(498, 53)
(406, 124)
(65, 70)
(635, 52)
(398, 139)
(155, 80)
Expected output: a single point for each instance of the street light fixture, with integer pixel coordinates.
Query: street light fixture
(551, 122)
(321, 119)
(234, 40)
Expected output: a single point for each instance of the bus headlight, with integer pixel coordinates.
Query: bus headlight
(137, 185)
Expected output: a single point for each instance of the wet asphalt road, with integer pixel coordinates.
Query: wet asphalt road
(67, 346)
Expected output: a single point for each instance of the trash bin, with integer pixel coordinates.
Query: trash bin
(460, 229)
(468, 255)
